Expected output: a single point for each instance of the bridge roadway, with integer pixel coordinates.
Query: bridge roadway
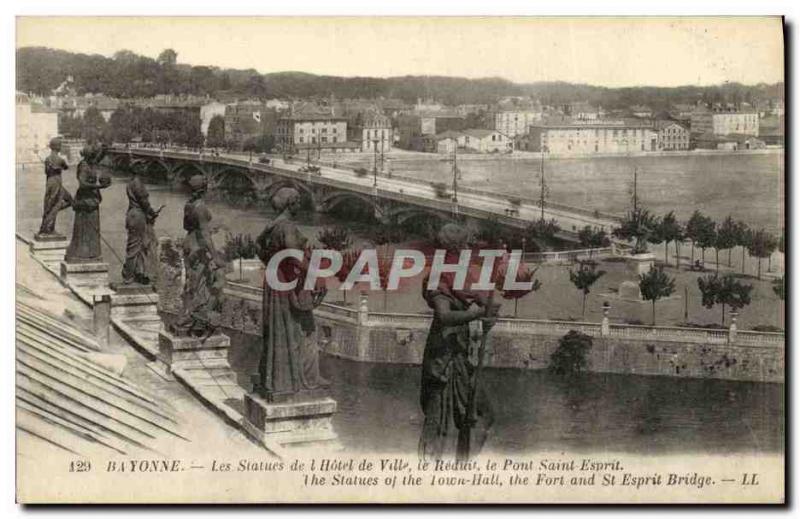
(470, 202)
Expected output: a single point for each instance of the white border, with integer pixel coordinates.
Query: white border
(322, 7)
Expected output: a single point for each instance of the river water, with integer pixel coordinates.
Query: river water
(378, 404)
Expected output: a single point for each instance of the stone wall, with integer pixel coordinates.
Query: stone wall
(350, 334)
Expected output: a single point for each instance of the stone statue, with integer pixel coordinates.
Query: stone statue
(448, 363)
(84, 247)
(205, 275)
(289, 364)
(56, 197)
(141, 239)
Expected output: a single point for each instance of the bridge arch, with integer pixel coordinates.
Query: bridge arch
(338, 199)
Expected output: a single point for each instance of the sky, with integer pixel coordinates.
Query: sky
(613, 52)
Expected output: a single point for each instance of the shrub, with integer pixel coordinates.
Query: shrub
(361, 172)
(570, 356)
(239, 246)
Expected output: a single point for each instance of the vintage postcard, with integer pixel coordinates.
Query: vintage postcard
(400, 260)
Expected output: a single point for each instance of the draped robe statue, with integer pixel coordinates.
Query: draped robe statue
(289, 363)
(139, 224)
(84, 246)
(205, 277)
(56, 198)
(449, 360)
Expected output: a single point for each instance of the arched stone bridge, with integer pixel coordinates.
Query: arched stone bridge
(392, 199)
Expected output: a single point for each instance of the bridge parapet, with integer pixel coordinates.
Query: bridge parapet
(472, 202)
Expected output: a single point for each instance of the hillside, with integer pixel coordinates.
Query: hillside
(125, 75)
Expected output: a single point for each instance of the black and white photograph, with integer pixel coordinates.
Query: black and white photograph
(373, 259)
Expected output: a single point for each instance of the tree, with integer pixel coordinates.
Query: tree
(638, 225)
(542, 229)
(349, 259)
(524, 276)
(779, 287)
(584, 278)
(670, 230)
(725, 291)
(336, 238)
(167, 58)
(570, 356)
(761, 245)
(743, 238)
(93, 126)
(701, 230)
(216, 132)
(654, 285)
(593, 238)
(726, 238)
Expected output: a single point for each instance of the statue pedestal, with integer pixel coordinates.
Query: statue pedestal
(294, 422)
(134, 301)
(193, 353)
(639, 264)
(636, 265)
(86, 279)
(49, 248)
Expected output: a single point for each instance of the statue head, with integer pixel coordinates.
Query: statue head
(286, 198)
(55, 144)
(453, 236)
(198, 184)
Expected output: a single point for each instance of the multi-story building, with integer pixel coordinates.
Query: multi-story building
(513, 116)
(36, 125)
(413, 128)
(588, 137)
(311, 130)
(373, 131)
(248, 120)
(724, 122)
(487, 141)
(475, 140)
(672, 136)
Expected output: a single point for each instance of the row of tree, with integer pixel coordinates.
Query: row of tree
(127, 75)
(642, 227)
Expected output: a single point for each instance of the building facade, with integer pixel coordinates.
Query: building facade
(724, 122)
(586, 137)
(513, 122)
(373, 131)
(295, 132)
(248, 120)
(672, 136)
(35, 125)
(207, 112)
(415, 131)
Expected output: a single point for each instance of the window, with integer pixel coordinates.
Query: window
(324, 139)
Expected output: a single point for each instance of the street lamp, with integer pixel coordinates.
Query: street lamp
(375, 163)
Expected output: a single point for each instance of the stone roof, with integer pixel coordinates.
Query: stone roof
(71, 397)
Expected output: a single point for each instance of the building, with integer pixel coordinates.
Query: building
(583, 111)
(487, 141)
(76, 106)
(207, 112)
(372, 130)
(729, 142)
(641, 111)
(576, 137)
(512, 118)
(248, 120)
(672, 136)
(412, 129)
(723, 121)
(314, 127)
(36, 125)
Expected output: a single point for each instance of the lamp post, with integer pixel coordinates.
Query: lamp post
(375, 163)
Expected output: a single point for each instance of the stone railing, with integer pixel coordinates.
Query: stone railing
(363, 317)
